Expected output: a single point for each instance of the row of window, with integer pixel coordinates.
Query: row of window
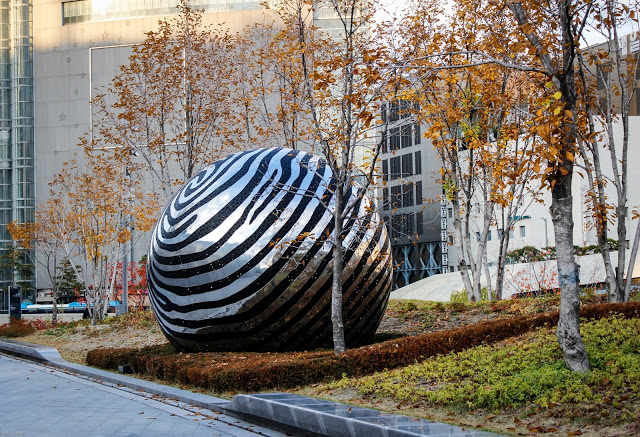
(402, 166)
(521, 229)
(402, 196)
(401, 137)
(405, 225)
(398, 110)
(90, 10)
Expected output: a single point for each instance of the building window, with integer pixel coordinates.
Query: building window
(84, 10)
(418, 159)
(398, 110)
(385, 170)
(419, 193)
(409, 221)
(407, 195)
(500, 233)
(394, 139)
(385, 199)
(395, 168)
(405, 136)
(396, 196)
(419, 223)
(523, 231)
(450, 213)
(407, 165)
(416, 133)
(478, 236)
(489, 235)
(395, 226)
(383, 142)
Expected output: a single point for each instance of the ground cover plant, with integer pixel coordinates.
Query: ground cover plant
(522, 376)
(242, 372)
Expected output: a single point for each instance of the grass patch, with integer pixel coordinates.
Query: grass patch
(521, 372)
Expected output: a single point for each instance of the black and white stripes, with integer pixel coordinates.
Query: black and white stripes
(239, 259)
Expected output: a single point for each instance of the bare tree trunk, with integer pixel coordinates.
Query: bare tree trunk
(488, 276)
(502, 257)
(500, 275)
(54, 315)
(569, 338)
(462, 264)
(338, 268)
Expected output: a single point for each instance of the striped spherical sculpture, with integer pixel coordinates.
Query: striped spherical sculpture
(240, 258)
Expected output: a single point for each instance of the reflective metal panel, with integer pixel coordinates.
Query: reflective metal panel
(240, 259)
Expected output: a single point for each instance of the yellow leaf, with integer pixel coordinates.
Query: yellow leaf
(557, 95)
(556, 111)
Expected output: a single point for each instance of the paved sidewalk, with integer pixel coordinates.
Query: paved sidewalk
(44, 401)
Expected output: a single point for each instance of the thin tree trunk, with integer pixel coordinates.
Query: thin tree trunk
(338, 268)
(488, 277)
(54, 315)
(462, 264)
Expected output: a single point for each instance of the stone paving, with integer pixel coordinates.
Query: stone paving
(44, 401)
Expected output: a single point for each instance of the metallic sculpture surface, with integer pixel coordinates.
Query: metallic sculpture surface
(239, 259)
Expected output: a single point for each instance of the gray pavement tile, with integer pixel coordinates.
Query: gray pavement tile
(204, 431)
(185, 427)
(54, 403)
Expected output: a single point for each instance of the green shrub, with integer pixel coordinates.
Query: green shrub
(460, 296)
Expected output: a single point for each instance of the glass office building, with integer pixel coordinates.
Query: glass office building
(17, 193)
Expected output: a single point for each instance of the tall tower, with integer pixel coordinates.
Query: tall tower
(17, 194)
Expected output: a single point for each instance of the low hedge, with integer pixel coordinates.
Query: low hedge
(18, 328)
(244, 372)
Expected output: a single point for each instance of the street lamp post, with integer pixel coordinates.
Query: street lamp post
(546, 233)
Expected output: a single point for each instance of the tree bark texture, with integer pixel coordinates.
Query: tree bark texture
(337, 321)
(568, 332)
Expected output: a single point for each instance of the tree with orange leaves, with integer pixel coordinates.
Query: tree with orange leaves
(170, 104)
(89, 216)
(474, 113)
(345, 78)
(545, 40)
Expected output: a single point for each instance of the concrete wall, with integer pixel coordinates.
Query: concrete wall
(70, 63)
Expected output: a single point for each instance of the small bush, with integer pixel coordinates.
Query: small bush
(39, 324)
(460, 296)
(17, 328)
(241, 372)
